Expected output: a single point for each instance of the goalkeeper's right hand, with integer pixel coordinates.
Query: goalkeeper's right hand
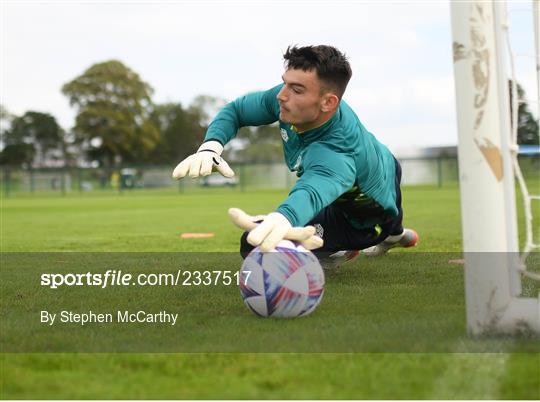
(207, 159)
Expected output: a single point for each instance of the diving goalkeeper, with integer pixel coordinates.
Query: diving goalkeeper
(348, 196)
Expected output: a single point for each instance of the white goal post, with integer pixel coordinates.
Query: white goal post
(488, 204)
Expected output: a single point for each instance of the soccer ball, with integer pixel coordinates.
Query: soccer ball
(286, 282)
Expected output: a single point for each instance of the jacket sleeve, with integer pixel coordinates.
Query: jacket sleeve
(255, 109)
(327, 175)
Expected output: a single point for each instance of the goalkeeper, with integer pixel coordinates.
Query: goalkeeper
(348, 194)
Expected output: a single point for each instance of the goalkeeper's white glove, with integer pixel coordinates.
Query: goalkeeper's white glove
(273, 228)
(202, 163)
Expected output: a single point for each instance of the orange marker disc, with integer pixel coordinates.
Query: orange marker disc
(196, 235)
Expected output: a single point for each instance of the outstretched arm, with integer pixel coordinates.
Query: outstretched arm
(255, 109)
(327, 175)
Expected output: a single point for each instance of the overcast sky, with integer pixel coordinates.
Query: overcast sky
(400, 52)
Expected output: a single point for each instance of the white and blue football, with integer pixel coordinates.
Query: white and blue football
(285, 282)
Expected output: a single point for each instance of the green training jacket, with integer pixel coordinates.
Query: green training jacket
(339, 163)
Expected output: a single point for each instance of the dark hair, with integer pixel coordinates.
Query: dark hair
(331, 65)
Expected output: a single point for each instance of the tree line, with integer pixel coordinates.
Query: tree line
(118, 123)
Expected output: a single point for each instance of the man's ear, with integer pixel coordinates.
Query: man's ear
(330, 102)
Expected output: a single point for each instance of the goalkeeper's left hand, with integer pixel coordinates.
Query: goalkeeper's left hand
(273, 228)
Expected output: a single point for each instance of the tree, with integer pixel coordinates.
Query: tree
(33, 137)
(181, 133)
(17, 155)
(527, 125)
(113, 117)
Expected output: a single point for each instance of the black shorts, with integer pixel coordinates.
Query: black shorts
(337, 232)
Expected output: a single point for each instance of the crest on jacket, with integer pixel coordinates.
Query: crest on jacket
(284, 135)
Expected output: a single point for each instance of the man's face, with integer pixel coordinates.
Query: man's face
(300, 99)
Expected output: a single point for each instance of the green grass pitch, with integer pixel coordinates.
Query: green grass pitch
(151, 221)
